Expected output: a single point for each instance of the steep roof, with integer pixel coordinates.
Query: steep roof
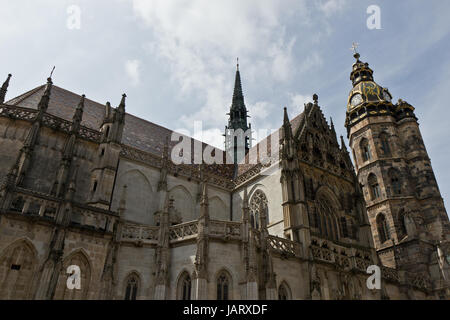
(138, 133)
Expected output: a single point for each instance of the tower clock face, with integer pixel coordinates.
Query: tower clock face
(356, 99)
(387, 96)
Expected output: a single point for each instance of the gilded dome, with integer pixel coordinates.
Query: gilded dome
(367, 92)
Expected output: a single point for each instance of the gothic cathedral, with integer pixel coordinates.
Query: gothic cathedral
(89, 187)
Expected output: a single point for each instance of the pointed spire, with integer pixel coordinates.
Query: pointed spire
(4, 89)
(343, 146)
(121, 109)
(286, 117)
(78, 115)
(286, 132)
(333, 130)
(122, 103)
(107, 110)
(238, 96)
(45, 99)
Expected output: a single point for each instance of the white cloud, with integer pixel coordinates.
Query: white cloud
(132, 68)
(201, 40)
(331, 7)
(299, 100)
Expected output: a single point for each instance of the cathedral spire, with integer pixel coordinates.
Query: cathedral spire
(4, 89)
(238, 96)
(121, 109)
(235, 140)
(45, 99)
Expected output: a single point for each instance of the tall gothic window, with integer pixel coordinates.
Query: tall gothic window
(327, 225)
(223, 286)
(385, 144)
(184, 287)
(131, 288)
(374, 187)
(365, 149)
(395, 182)
(383, 228)
(258, 203)
(283, 292)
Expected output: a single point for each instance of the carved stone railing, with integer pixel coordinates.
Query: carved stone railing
(418, 280)
(30, 203)
(17, 113)
(49, 120)
(390, 274)
(140, 234)
(362, 264)
(344, 257)
(183, 231)
(93, 218)
(225, 229)
(322, 254)
(56, 123)
(343, 261)
(284, 246)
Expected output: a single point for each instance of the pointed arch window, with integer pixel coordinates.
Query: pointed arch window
(383, 228)
(384, 139)
(366, 153)
(328, 227)
(223, 287)
(184, 287)
(284, 292)
(375, 191)
(131, 288)
(258, 209)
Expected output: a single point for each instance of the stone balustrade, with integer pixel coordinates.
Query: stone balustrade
(49, 120)
(183, 231)
(140, 233)
(346, 258)
(31, 203)
(225, 229)
(284, 246)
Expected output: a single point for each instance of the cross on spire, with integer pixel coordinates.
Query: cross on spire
(51, 73)
(237, 65)
(354, 47)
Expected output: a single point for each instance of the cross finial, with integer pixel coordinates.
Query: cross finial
(237, 65)
(51, 73)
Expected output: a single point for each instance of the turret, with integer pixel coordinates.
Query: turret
(4, 89)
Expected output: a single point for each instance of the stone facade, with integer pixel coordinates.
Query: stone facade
(89, 185)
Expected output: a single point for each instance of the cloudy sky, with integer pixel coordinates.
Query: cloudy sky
(176, 59)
